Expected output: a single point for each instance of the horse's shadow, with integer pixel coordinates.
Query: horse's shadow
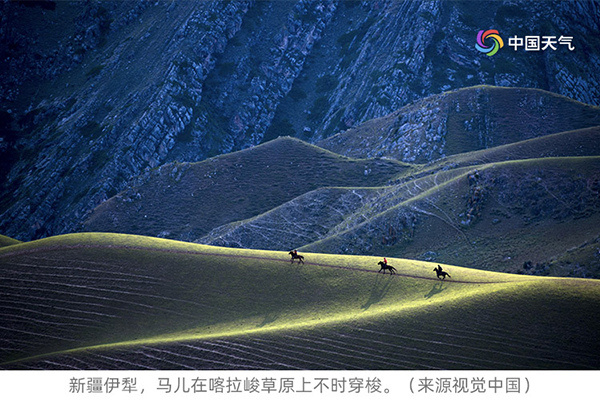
(436, 289)
(380, 288)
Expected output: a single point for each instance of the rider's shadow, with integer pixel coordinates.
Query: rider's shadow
(380, 288)
(436, 289)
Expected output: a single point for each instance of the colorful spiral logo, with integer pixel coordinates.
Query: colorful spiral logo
(493, 35)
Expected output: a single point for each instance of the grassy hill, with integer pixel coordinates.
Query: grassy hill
(185, 201)
(314, 215)
(129, 302)
(7, 241)
(536, 207)
(461, 121)
(577, 143)
(496, 216)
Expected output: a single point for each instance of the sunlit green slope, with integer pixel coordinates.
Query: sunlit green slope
(576, 143)
(118, 301)
(7, 241)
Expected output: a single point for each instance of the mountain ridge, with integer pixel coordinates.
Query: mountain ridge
(81, 99)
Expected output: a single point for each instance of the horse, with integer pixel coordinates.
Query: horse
(296, 256)
(385, 266)
(441, 274)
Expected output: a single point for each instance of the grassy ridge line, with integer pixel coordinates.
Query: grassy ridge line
(231, 187)
(583, 142)
(509, 89)
(206, 250)
(205, 253)
(8, 241)
(502, 107)
(461, 174)
(529, 89)
(404, 203)
(291, 234)
(331, 322)
(543, 338)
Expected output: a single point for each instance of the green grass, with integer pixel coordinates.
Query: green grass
(121, 296)
(8, 241)
(529, 210)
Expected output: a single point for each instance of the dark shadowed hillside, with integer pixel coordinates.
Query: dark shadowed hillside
(185, 201)
(462, 121)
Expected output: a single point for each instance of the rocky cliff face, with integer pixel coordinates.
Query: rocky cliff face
(96, 93)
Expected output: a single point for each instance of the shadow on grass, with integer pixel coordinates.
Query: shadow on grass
(436, 289)
(380, 288)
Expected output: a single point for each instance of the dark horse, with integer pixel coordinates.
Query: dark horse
(385, 266)
(441, 274)
(295, 255)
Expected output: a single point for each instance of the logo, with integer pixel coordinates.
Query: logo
(540, 43)
(494, 40)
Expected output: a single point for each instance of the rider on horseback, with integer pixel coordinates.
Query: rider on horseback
(385, 266)
(295, 256)
(440, 273)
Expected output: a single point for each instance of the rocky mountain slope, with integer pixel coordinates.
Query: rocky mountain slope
(461, 121)
(95, 93)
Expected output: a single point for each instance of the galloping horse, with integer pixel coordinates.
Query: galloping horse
(441, 274)
(385, 266)
(295, 255)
